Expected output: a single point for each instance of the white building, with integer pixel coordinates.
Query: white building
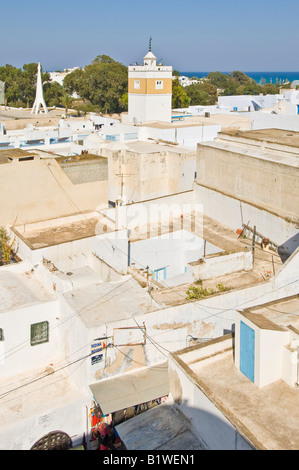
(149, 91)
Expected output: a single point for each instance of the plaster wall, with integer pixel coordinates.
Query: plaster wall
(112, 248)
(86, 172)
(242, 102)
(185, 136)
(288, 120)
(220, 265)
(233, 212)
(17, 355)
(212, 427)
(38, 190)
(158, 252)
(70, 418)
(169, 327)
(268, 354)
(149, 107)
(255, 180)
(136, 177)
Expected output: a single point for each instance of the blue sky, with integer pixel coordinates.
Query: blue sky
(190, 35)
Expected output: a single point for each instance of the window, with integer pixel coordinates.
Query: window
(39, 333)
(159, 84)
(137, 84)
(1, 334)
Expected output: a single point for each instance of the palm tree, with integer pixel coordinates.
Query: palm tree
(66, 101)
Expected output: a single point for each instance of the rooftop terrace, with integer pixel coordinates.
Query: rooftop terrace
(268, 417)
(63, 230)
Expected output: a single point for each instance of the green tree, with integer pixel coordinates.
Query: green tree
(202, 94)
(73, 81)
(218, 79)
(20, 85)
(103, 83)
(240, 78)
(179, 96)
(53, 93)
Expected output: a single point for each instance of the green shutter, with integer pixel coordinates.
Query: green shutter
(39, 333)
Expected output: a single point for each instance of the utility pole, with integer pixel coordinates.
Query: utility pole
(253, 244)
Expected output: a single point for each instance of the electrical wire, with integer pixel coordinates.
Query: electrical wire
(20, 346)
(157, 345)
(43, 376)
(37, 389)
(145, 267)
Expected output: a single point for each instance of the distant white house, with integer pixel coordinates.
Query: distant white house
(186, 81)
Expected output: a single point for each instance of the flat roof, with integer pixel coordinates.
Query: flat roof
(267, 417)
(227, 240)
(36, 397)
(225, 120)
(277, 136)
(160, 428)
(20, 288)
(63, 230)
(157, 147)
(118, 301)
(81, 159)
(281, 313)
(270, 155)
(7, 155)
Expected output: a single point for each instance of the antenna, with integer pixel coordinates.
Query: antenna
(150, 44)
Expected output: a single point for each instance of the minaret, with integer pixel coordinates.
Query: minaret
(149, 91)
(39, 97)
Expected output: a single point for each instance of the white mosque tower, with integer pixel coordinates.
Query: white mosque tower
(149, 91)
(39, 96)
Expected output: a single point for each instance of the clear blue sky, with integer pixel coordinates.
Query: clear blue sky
(190, 35)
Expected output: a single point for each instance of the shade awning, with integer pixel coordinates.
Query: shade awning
(131, 389)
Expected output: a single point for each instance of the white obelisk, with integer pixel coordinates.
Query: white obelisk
(39, 97)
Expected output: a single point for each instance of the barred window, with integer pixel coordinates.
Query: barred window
(39, 333)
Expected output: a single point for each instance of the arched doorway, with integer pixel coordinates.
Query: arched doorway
(56, 440)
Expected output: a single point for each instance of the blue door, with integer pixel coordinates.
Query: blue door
(297, 108)
(159, 274)
(247, 343)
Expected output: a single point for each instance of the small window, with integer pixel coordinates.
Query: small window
(159, 84)
(137, 84)
(1, 334)
(39, 333)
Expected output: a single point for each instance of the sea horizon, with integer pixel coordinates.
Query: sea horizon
(269, 77)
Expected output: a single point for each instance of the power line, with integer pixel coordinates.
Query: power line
(219, 309)
(25, 343)
(43, 376)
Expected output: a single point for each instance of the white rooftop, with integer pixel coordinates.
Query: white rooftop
(20, 288)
